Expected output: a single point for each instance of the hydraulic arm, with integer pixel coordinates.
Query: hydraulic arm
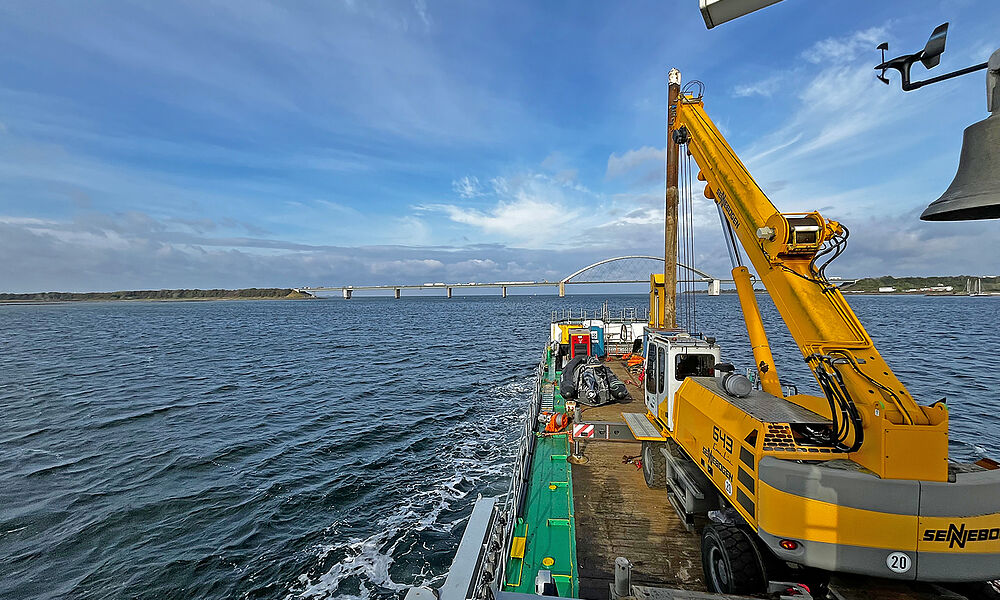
(876, 420)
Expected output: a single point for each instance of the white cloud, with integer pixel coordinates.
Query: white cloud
(905, 245)
(980, 52)
(467, 187)
(406, 267)
(841, 120)
(420, 6)
(632, 160)
(841, 49)
(525, 217)
(764, 87)
(500, 186)
(524, 208)
(108, 252)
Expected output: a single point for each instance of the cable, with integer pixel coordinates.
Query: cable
(693, 257)
(895, 399)
(685, 240)
(692, 84)
(843, 411)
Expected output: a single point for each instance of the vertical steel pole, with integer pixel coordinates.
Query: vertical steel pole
(669, 308)
(623, 578)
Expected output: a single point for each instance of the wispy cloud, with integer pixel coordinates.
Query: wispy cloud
(846, 48)
(842, 117)
(467, 187)
(643, 159)
(766, 87)
(527, 208)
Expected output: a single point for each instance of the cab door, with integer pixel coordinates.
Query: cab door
(656, 376)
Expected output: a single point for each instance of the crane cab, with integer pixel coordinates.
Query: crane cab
(671, 357)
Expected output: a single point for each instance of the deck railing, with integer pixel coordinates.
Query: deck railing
(623, 315)
(478, 571)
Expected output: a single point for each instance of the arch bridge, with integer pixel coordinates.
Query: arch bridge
(623, 270)
(619, 269)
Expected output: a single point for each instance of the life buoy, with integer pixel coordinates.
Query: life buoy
(557, 422)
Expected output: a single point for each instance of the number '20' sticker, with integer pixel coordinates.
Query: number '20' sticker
(898, 562)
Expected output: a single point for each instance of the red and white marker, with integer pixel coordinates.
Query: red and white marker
(583, 430)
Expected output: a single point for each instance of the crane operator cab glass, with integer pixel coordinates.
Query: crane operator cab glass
(671, 358)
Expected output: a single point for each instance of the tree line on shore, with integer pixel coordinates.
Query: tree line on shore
(957, 282)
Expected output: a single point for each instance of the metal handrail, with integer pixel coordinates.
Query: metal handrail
(624, 315)
(490, 573)
(505, 512)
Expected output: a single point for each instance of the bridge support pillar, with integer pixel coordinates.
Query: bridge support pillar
(449, 292)
(396, 293)
(348, 293)
(503, 291)
(714, 287)
(562, 289)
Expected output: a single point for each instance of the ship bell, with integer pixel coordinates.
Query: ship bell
(975, 191)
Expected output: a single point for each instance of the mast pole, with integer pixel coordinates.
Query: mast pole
(669, 305)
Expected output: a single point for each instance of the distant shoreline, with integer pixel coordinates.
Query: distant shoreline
(178, 295)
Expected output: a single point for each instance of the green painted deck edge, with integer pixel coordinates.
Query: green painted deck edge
(548, 522)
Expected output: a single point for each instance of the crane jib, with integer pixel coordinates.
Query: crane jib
(882, 427)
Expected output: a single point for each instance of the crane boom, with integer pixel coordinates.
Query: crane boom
(878, 420)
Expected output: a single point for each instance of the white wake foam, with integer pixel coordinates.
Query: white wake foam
(478, 453)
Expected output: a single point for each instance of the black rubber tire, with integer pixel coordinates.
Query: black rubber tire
(987, 590)
(731, 561)
(654, 468)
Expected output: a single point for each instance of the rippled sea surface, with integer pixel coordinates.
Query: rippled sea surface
(327, 448)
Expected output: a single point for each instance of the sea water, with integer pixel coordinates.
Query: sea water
(329, 448)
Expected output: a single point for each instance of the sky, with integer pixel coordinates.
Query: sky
(281, 144)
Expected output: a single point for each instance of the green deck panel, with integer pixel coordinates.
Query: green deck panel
(558, 402)
(548, 522)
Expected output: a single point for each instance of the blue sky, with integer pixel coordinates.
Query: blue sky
(233, 144)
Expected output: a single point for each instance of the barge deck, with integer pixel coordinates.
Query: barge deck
(563, 523)
(614, 507)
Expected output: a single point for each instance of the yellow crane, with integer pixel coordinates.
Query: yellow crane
(857, 480)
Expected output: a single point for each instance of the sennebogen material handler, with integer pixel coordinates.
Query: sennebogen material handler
(855, 480)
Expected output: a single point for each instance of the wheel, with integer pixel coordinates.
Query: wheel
(653, 467)
(731, 561)
(987, 590)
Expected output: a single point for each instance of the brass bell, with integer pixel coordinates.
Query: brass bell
(975, 191)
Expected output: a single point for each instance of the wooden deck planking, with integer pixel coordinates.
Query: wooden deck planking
(617, 515)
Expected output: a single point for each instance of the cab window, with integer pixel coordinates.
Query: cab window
(651, 369)
(661, 361)
(693, 365)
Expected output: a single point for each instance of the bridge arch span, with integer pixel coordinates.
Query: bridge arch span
(704, 276)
